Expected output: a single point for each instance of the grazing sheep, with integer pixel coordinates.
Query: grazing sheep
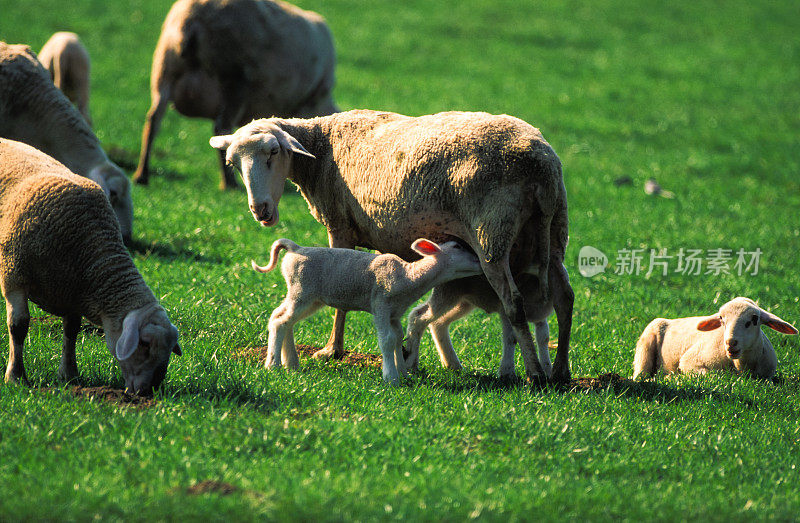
(453, 300)
(698, 344)
(61, 248)
(383, 285)
(379, 180)
(68, 62)
(33, 111)
(234, 60)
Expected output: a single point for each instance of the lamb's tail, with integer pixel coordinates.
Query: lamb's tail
(645, 361)
(277, 246)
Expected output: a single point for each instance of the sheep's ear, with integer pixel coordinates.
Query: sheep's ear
(709, 323)
(221, 142)
(290, 143)
(425, 247)
(96, 176)
(129, 339)
(775, 323)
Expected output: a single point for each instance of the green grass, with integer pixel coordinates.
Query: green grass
(701, 96)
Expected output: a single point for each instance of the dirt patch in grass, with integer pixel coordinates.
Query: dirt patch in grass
(356, 359)
(602, 381)
(212, 486)
(113, 396)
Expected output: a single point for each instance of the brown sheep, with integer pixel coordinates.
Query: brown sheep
(68, 62)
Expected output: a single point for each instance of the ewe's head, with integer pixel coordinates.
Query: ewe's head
(144, 347)
(459, 261)
(741, 318)
(262, 152)
(118, 191)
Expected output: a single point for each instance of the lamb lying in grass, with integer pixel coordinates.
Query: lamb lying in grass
(728, 340)
(381, 284)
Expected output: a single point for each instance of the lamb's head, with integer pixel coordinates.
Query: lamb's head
(118, 191)
(143, 348)
(741, 318)
(262, 152)
(456, 260)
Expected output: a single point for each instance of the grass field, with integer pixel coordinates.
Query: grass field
(701, 96)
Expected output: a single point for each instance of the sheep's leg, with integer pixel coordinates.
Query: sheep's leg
(230, 115)
(542, 330)
(151, 126)
(501, 280)
(506, 369)
(68, 370)
(563, 300)
(289, 351)
(281, 335)
(390, 339)
(18, 320)
(335, 346)
(397, 334)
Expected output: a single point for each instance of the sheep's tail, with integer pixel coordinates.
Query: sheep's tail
(277, 246)
(645, 361)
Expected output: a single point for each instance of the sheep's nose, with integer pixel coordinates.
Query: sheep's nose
(732, 342)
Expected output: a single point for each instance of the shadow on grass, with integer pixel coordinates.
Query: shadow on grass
(167, 252)
(129, 161)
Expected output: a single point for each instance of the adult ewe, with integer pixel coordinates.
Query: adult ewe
(61, 248)
(380, 180)
(731, 339)
(68, 62)
(34, 111)
(234, 60)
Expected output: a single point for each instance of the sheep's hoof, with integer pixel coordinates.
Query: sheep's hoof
(140, 180)
(328, 353)
(67, 375)
(561, 374)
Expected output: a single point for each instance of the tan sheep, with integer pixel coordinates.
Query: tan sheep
(234, 60)
(33, 111)
(728, 340)
(61, 248)
(380, 180)
(68, 62)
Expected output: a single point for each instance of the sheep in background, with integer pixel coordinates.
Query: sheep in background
(383, 285)
(234, 60)
(33, 111)
(453, 300)
(68, 62)
(61, 248)
(728, 340)
(379, 180)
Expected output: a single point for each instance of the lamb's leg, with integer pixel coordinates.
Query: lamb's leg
(390, 337)
(563, 300)
(152, 124)
(281, 335)
(289, 351)
(335, 346)
(441, 309)
(18, 319)
(68, 370)
(501, 280)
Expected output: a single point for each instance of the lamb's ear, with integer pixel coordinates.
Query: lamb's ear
(425, 247)
(773, 322)
(709, 323)
(129, 339)
(290, 143)
(221, 142)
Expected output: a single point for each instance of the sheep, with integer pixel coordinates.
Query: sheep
(453, 300)
(67, 60)
(34, 111)
(698, 344)
(383, 285)
(379, 180)
(61, 248)
(234, 60)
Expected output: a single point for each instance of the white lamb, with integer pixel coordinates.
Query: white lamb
(33, 111)
(68, 62)
(728, 340)
(383, 285)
